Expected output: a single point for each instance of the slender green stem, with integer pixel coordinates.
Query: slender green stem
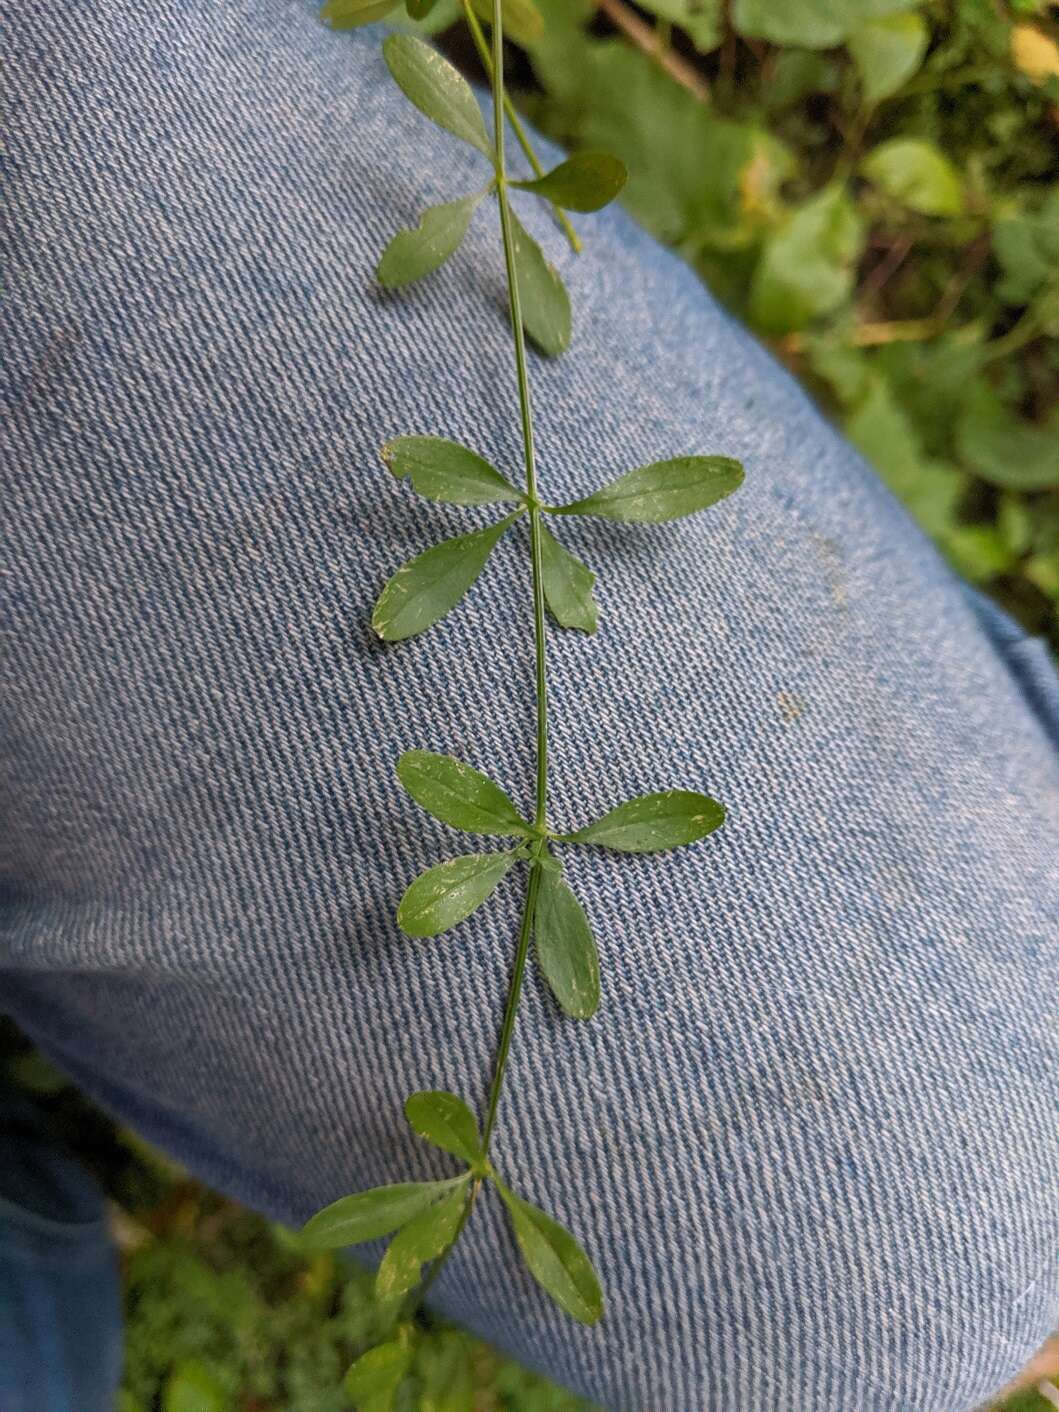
(511, 1010)
(516, 122)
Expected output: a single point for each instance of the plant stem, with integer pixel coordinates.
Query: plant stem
(516, 122)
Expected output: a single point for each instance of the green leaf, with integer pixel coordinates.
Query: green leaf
(419, 9)
(814, 24)
(459, 795)
(665, 490)
(193, 1388)
(555, 1259)
(437, 89)
(428, 586)
(567, 585)
(588, 181)
(545, 303)
(370, 1214)
(445, 470)
(701, 20)
(424, 1238)
(914, 172)
(653, 823)
(523, 22)
(1027, 248)
(411, 254)
(807, 266)
(1003, 449)
(373, 1380)
(351, 14)
(447, 1122)
(449, 892)
(978, 551)
(566, 948)
(887, 52)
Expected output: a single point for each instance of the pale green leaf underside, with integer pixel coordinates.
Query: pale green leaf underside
(351, 14)
(567, 585)
(411, 254)
(449, 892)
(446, 1121)
(444, 470)
(373, 1380)
(458, 794)
(369, 1214)
(545, 303)
(437, 89)
(585, 182)
(555, 1259)
(428, 586)
(424, 1238)
(664, 490)
(653, 823)
(566, 948)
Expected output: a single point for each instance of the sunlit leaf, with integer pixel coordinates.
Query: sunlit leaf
(653, 822)
(665, 490)
(449, 892)
(458, 794)
(445, 470)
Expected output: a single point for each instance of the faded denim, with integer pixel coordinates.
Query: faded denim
(811, 1139)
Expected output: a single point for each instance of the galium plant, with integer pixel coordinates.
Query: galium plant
(426, 1218)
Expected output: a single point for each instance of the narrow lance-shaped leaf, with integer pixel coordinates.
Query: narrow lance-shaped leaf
(585, 182)
(446, 1121)
(653, 823)
(370, 1214)
(424, 1238)
(444, 470)
(351, 14)
(372, 1382)
(428, 586)
(543, 296)
(567, 585)
(458, 794)
(566, 948)
(449, 892)
(555, 1259)
(437, 89)
(411, 254)
(664, 490)
(523, 22)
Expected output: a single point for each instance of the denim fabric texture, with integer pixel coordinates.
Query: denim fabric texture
(811, 1139)
(60, 1309)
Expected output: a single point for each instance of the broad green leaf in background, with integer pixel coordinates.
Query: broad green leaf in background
(373, 1380)
(1027, 249)
(664, 490)
(979, 551)
(411, 254)
(371, 1214)
(522, 20)
(566, 948)
(1005, 450)
(449, 892)
(445, 470)
(914, 172)
(887, 52)
(555, 1259)
(567, 585)
(419, 9)
(807, 265)
(701, 20)
(424, 1238)
(446, 1121)
(428, 586)
(881, 428)
(545, 303)
(458, 794)
(653, 823)
(810, 24)
(437, 89)
(193, 1388)
(351, 14)
(587, 181)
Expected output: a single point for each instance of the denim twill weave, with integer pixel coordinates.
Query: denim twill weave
(811, 1140)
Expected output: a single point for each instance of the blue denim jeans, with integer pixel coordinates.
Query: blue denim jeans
(811, 1139)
